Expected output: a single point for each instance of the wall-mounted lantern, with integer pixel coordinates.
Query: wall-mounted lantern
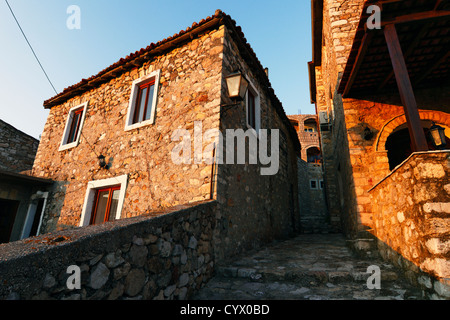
(437, 135)
(368, 134)
(102, 161)
(237, 86)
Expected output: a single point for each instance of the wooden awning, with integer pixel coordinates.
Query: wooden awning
(18, 178)
(410, 50)
(423, 28)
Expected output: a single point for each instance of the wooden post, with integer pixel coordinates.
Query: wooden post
(419, 142)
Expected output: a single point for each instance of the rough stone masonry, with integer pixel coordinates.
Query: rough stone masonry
(246, 212)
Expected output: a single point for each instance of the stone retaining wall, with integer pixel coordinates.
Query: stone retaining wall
(165, 257)
(411, 220)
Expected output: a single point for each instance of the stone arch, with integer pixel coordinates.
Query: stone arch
(310, 121)
(311, 117)
(313, 154)
(437, 116)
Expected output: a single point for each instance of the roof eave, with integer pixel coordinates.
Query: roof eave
(317, 29)
(136, 59)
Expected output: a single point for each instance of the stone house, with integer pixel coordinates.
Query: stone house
(308, 133)
(379, 79)
(314, 216)
(17, 149)
(22, 197)
(22, 202)
(136, 138)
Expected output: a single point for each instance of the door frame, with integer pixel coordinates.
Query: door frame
(31, 213)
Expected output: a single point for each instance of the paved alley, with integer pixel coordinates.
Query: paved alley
(307, 267)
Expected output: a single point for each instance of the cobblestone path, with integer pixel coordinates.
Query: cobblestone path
(307, 267)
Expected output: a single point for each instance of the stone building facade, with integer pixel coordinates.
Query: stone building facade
(306, 126)
(365, 116)
(170, 207)
(314, 216)
(333, 27)
(17, 149)
(144, 171)
(22, 197)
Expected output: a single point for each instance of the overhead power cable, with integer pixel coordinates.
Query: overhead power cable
(34, 53)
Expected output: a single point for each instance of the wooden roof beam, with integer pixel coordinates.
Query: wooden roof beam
(437, 5)
(432, 67)
(317, 28)
(418, 140)
(414, 17)
(408, 52)
(365, 42)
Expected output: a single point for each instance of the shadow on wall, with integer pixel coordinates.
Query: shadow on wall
(436, 98)
(432, 286)
(53, 208)
(23, 203)
(411, 219)
(169, 256)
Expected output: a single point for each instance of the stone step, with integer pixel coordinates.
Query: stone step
(302, 276)
(311, 267)
(244, 289)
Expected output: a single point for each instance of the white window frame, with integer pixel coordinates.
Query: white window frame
(129, 125)
(92, 188)
(32, 212)
(310, 185)
(255, 92)
(64, 145)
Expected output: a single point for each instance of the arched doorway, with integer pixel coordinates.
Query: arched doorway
(313, 155)
(439, 117)
(398, 143)
(310, 125)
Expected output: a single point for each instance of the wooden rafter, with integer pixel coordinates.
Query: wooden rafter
(359, 59)
(432, 67)
(419, 142)
(414, 17)
(438, 3)
(407, 53)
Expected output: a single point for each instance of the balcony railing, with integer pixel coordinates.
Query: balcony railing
(310, 137)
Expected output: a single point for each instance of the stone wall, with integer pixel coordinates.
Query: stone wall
(314, 216)
(168, 256)
(411, 218)
(340, 19)
(368, 157)
(189, 91)
(352, 163)
(255, 208)
(17, 149)
(250, 210)
(303, 191)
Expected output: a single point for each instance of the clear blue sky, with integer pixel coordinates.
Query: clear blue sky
(278, 31)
